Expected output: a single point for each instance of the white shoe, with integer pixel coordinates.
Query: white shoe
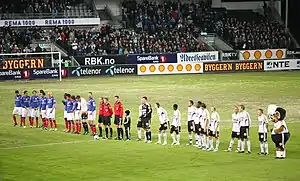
(24, 126)
(174, 143)
(165, 143)
(189, 144)
(158, 143)
(55, 129)
(146, 141)
(149, 141)
(31, 126)
(177, 143)
(216, 150)
(210, 149)
(228, 150)
(237, 150)
(205, 149)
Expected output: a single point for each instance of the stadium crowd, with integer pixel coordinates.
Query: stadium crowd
(148, 27)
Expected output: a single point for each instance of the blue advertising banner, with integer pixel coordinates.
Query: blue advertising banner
(151, 58)
(104, 70)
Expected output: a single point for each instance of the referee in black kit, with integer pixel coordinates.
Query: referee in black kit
(146, 113)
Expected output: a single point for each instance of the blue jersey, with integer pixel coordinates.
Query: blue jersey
(51, 102)
(43, 104)
(18, 101)
(25, 101)
(69, 106)
(35, 101)
(91, 104)
(75, 105)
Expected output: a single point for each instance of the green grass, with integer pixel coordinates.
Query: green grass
(24, 157)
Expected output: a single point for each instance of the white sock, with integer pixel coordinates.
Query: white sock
(173, 137)
(196, 138)
(190, 138)
(203, 140)
(217, 143)
(165, 137)
(178, 138)
(139, 132)
(207, 142)
(266, 147)
(211, 143)
(231, 144)
(242, 145)
(159, 137)
(281, 154)
(261, 147)
(200, 140)
(277, 154)
(249, 145)
(239, 145)
(145, 135)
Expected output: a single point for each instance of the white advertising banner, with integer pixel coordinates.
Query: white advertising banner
(170, 68)
(50, 22)
(262, 54)
(196, 57)
(290, 64)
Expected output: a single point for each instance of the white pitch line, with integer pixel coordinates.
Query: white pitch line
(47, 144)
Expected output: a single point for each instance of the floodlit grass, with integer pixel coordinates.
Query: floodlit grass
(34, 155)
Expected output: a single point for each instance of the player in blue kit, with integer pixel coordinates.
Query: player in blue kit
(43, 108)
(75, 104)
(25, 103)
(65, 112)
(70, 112)
(34, 104)
(92, 113)
(18, 107)
(51, 103)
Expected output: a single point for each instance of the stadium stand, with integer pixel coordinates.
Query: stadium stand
(148, 27)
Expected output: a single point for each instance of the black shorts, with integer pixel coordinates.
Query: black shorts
(203, 131)
(174, 129)
(263, 137)
(139, 124)
(235, 135)
(145, 123)
(163, 127)
(244, 132)
(179, 129)
(100, 119)
(280, 139)
(84, 116)
(213, 133)
(106, 120)
(117, 120)
(191, 126)
(197, 128)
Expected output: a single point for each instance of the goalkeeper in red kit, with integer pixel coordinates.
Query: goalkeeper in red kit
(118, 110)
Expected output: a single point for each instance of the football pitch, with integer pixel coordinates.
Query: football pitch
(35, 155)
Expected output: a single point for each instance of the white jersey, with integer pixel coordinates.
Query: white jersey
(236, 122)
(214, 124)
(262, 124)
(162, 115)
(204, 118)
(176, 118)
(191, 113)
(198, 114)
(278, 124)
(83, 105)
(140, 110)
(245, 118)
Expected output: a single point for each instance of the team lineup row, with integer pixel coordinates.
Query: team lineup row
(204, 126)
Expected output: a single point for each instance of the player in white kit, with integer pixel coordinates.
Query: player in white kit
(164, 123)
(280, 133)
(263, 132)
(245, 124)
(191, 123)
(214, 130)
(198, 113)
(235, 129)
(175, 127)
(204, 120)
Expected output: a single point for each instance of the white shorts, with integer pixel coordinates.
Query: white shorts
(91, 115)
(77, 115)
(44, 113)
(17, 110)
(65, 114)
(34, 113)
(50, 115)
(25, 112)
(70, 116)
